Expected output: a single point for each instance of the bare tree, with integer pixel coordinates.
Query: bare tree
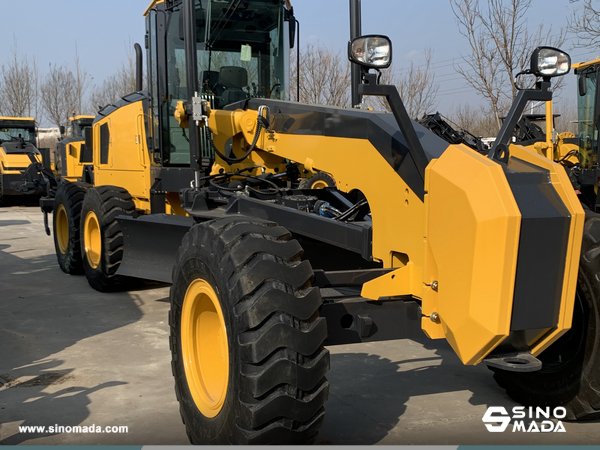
(584, 24)
(416, 86)
(58, 93)
(568, 120)
(115, 86)
(82, 83)
(324, 77)
(19, 86)
(501, 44)
(475, 120)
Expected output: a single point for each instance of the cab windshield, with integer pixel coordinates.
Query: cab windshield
(75, 130)
(13, 134)
(240, 52)
(588, 129)
(242, 55)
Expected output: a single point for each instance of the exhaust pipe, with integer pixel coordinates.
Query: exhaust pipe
(138, 67)
(355, 31)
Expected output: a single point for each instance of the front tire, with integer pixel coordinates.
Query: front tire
(246, 338)
(66, 219)
(101, 236)
(570, 371)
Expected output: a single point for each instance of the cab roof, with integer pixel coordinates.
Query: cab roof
(152, 5)
(72, 119)
(28, 119)
(583, 65)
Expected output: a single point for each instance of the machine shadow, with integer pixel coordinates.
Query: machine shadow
(43, 312)
(34, 407)
(369, 393)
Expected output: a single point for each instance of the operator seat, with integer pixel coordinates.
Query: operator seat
(233, 79)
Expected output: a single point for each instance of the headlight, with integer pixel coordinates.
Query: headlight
(550, 62)
(371, 51)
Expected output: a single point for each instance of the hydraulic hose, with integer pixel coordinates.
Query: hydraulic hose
(261, 123)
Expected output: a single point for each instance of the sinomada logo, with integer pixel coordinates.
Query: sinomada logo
(528, 420)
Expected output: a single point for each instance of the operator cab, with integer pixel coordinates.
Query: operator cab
(77, 125)
(18, 135)
(242, 51)
(11, 129)
(587, 75)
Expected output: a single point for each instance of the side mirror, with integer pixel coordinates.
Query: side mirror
(582, 86)
(548, 62)
(371, 52)
(292, 27)
(62, 130)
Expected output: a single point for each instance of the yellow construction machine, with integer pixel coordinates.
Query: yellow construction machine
(197, 183)
(17, 141)
(71, 153)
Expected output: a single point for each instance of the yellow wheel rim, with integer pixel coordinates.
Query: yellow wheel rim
(62, 229)
(204, 347)
(92, 240)
(319, 184)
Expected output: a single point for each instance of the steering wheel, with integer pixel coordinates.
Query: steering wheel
(273, 89)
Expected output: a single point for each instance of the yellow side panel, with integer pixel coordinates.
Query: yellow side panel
(472, 237)
(397, 212)
(128, 161)
(74, 167)
(13, 162)
(564, 189)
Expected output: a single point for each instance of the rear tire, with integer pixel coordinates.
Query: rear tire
(570, 372)
(102, 238)
(66, 220)
(274, 387)
(319, 180)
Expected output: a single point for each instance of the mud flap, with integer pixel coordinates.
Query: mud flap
(150, 244)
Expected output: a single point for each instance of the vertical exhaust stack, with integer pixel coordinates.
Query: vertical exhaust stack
(138, 68)
(355, 31)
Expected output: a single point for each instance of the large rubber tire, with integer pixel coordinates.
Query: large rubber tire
(275, 386)
(1, 192)
(319, 180)
(66, 220)
(102, 255)
(570, 373)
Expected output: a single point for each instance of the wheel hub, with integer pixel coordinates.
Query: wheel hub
(92, 239)
(62, 229)
(319, 184)
(204, 347)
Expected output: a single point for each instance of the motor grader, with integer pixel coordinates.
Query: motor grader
(196, 183)
(71, 153)
(17, 140)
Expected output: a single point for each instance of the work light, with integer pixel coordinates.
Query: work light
(550, 62)
(373, 51)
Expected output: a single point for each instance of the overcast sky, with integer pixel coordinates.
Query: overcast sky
(101, 32)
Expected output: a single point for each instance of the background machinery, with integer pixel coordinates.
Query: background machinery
(71, 153)
(17, 140)
(196, 183)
